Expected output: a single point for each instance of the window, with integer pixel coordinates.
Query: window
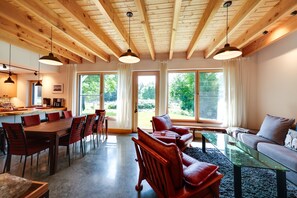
(98, 91)
(181, 95)
(36, 94)
(185, 104)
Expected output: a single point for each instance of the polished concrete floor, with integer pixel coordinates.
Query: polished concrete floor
(109, 170)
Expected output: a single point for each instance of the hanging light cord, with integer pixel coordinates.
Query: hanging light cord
(9, 58)
(129, 31)
(51, 39)
(227, 26)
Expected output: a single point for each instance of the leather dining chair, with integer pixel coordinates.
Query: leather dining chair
(19, 144)
(31, 120)
(88, 128)
(99, 123)
(67, 114)
(53, 116)
(74, 134)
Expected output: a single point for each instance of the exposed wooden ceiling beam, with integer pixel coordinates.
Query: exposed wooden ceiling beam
(48, 16)
(107, 10)
(76, 12)
(146, 27)
(35, 39)
(280, 10)
(17, 41)
(176, 11)
(13, 14)
(208, 14)
(273, 36)
(247, 9)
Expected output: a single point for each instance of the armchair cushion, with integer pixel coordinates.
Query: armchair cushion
(199, 172)
(162, 122)
(180, 130)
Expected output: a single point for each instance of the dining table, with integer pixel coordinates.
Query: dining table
(53, 131)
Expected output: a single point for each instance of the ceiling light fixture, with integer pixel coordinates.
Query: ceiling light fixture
(38, 81)
(228, 52)
(50, 59)
(129, 57)
(9, 80)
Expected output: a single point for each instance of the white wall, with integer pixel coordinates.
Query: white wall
(277, 79)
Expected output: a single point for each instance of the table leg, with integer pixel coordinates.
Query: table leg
(281, 184)
(237, 181)
(51, 156)
(194, 130)
(106, 127)
(203, 144)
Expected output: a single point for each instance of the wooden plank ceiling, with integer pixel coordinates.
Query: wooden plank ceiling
(86, 29)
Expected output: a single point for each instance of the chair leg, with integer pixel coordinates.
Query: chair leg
(21, 158)
(31, 160)
(24, 166)
(8, 158)
(94, 141)
(68, 155)
(82, 147)
(37, 160)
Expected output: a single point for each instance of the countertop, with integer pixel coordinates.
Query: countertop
(21, 111)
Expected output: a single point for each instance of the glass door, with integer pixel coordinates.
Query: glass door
(145, 99)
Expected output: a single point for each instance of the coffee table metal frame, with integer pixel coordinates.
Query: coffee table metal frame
(241, 155)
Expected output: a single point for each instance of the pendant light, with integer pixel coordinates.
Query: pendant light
(38, 81)
(129, 57)
(9, 80)
(50, 59)
(228, 52)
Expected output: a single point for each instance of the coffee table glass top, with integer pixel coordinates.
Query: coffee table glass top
(240, 154)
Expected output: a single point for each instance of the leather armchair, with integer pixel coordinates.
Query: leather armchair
(172, 173)
(163, 124)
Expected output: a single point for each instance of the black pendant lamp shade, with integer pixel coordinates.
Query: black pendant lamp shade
(50, 59)
(129, 57)
(38, 82)
(227, 52)
(9, 80)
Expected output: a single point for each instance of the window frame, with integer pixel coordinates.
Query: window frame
(196, 96)
(31, 84)
(101, 84)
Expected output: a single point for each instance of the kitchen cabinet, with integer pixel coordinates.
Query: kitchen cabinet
(8, 89)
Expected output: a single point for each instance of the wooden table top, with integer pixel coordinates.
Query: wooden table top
(50, 127)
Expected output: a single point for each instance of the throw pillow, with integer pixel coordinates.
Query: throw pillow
(291, 140)
(275, 128)
(196, 174)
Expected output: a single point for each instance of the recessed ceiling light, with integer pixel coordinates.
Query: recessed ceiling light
(294, 13)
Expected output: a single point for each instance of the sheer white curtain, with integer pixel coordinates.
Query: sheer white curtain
(163, 88)
(124, 97)
(71, 87)
(236, 92)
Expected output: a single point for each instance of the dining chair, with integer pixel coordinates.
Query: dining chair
(88, 128)
(30, 120)
(67, 114)
(53, 116)
(99, 123)
(74, 134)
(19, 144)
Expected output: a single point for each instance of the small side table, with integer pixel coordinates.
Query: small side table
(167, 137)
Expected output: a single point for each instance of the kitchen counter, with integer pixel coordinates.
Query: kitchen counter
(23, 111)
(14, 116)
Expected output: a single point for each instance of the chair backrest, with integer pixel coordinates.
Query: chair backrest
(100, 120)
(67, 114)
(161, 163)
(161, 123)
(76, 129)
(16, 138)
(53, 116)
(31, 120)
(88, 127)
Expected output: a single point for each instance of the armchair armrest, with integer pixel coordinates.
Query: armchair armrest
(180, 130)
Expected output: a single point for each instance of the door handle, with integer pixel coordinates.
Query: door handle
(136, 109)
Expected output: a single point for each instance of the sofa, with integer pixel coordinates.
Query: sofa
(276, 139)
(163, 124)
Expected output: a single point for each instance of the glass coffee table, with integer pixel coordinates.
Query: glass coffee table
(241, 155)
